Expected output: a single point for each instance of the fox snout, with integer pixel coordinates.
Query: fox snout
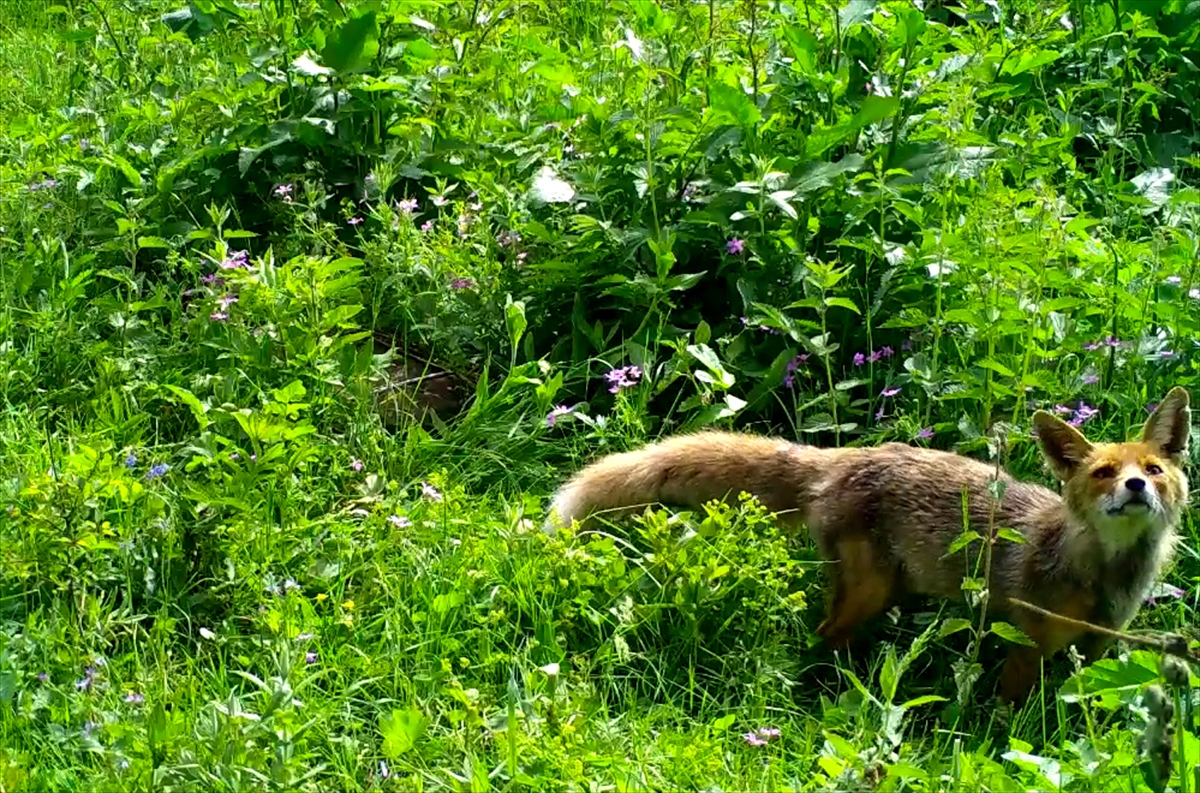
(1132, 495)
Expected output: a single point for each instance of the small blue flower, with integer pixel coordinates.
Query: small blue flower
(157, 470)
(131, 460)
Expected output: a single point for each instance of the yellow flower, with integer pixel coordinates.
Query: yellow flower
(348, 605)
(321, 596)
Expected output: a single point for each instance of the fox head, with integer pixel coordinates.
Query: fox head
(1123, 490)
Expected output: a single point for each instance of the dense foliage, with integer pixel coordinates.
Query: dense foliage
(306, 306)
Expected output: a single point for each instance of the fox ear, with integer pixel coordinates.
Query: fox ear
(1063, 446)
(1170, 425)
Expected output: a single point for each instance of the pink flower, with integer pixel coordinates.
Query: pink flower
(859, 359)
(925, 433)
(735, 246)
(354, 221)
(427, 225)
(356, 465)
(284, 191)
(407, 205)
(399, 521)
(553, 416)
(622, 378)
(236, 260)
(430, 492)
(889, 392)
(462, 283)
(219, 316)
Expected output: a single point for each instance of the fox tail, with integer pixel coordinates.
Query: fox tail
(686, 470)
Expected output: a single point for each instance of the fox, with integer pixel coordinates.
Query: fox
(884, 519)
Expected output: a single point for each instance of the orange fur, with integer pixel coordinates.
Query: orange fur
(886, 516)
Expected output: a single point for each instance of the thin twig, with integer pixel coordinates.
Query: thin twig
(1170, 644)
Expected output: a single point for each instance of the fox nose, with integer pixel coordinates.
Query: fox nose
(1136, 485)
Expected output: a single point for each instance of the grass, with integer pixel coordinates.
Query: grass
(225, 568)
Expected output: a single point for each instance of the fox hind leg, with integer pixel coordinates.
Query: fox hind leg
(861, 588)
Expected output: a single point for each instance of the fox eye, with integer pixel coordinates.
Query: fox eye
(1104, 472)
(1154, 470)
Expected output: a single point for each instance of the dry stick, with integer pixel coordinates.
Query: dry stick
(1172, 644)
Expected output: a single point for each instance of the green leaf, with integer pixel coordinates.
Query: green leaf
(731, 104)
(401, 731)
(199, 410)
(964, 539)
(922, 700)
(952, 626)
(1012, 633)
(152, 242)
(514, 318)
(125, 167)
(842, 302)
(1012, 535)
(353, 44)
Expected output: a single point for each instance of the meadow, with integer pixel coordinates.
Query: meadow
(307, 306)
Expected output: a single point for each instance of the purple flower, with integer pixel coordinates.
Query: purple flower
(157, 470)
(134, 698)
(43, 677)
(1091, 378)
(462, 283)
(886, 352)
(859, 359)
(310, 658)
(879, 414)
(906, 345)
(1112, 341)
(794, 364)
(89, 676)
(407, 205)
(553, 416)
(236, 260)
(789, 381)
(212, 280)
(427, 225)
(354, 221)
(1164, 590)
(399, 521)
(925, 433)
(227, 300)
(874, 356)
(284, 191)
(1063, 410)
(622, 378)
(131, 460)
(762, 736)
(219, 316)
(1091, 346)
(1082, 414)
(356, 465)
(889, 392)
(735, 246)
(1165, 353)
(430, 492)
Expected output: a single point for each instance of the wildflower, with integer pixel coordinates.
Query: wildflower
(89, 676)
(427, 225)
(348, 605)
(135, 698)
(925, 433)
(735, 246)
(236, 260)
(227, 300)
(290, 584)
(219, 316)
(762, 736)
(906, 345)
(407, 205)
(354, 221)
(1194, 294)
(205, 633)
(508, 238)
(43, 677)
(384, 772)
(1091, 346)
(475, 207)
(65, 137)
(793, 364)
(522, 256)
(1164, 590)
(690, 191)
(356, 465)
(1091, 378)
(462, 283)
(303, 637)
(310, 658)
(1063, 410)
(321, 597)
(88, 728)
(1165, 353)
(889, 392)
(284, 191)
(789, 381)
(1082, 414)
(886, 352)
(212, 280)
(874, 357)
(859, 359)
(234, 456)
(879, 414)
(553, 416)
(1174, 280)
(157, 470)
(399, 521)
(430, 492)
(1112, 341)
(622, 378)
(439, 200)
(131, 460)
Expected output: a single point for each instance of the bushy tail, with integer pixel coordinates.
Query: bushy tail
(687, 470)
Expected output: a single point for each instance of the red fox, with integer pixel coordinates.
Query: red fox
(886, 516)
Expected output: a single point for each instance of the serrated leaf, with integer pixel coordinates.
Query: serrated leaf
(842, 302)
(1011, 633)
(964, 539)
(401, 731)
(732, 104)
(952, 626)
